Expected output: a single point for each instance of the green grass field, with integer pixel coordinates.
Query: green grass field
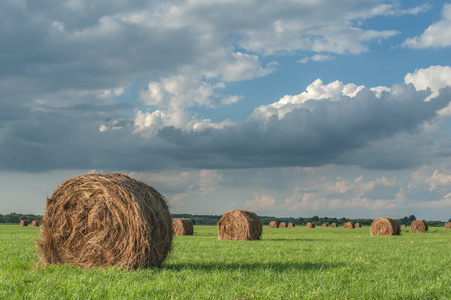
(288, 263)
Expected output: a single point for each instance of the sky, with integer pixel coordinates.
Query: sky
(285, 108)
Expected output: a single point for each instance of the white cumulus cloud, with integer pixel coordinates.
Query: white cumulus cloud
(436, 35)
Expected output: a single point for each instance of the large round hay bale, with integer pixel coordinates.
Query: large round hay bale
(110, 220)
(418, 226)
(349, 225)
(291, 224)
(357, 225)
(310, 225)
(273, 224)
(239, 225)
(35, 223)
(182, 226)
(385, 226)
(282, 225)
(333, 225)
(23, 223)
(448, 225)
(325, 225)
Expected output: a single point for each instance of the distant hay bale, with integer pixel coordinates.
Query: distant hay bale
(110, 220)
(448, 225)
(357, 225)
(23, 223)
(291, 224)
(310, 225)
(333, 225)
(282, 225)
(325, 225)
(182, 226)
(403, 225)
(239, 225)
(273, 224)
(385, 226)
(35, 223)
(418, 226)
(349, 225)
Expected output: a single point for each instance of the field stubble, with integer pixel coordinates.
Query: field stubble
(288, 263)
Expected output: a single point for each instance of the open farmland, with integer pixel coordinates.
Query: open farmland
(288, 263)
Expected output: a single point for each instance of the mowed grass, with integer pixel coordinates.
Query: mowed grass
(288, 263)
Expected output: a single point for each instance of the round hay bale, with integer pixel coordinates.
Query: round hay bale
(239, 225)
(282, 225)
(35, 223)
(310, 225)
(110, 220)
(182, 226)
(23, 223)
(403, 225)
(273, 224)
(291, 224)
(418, 226)
(325, 225)
(448, 225)
(349, 225)
(333, 225)
(357, 225)
(385, 226)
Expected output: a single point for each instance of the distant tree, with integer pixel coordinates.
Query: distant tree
(449, 220)
(412, 218)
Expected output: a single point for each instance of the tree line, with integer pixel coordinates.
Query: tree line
(213, 219)
(318, 221)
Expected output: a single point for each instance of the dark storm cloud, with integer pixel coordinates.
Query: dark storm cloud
(362, 130)
(324, 132)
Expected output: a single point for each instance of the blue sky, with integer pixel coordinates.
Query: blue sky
(285, 108)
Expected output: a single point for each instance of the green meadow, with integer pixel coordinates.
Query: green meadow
(287, 263)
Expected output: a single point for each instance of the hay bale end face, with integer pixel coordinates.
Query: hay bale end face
(23, 223)
(419, 226)
(273, 224)
(448, 225)
(325, 225)
(182, 226)
(310, 225)
(334, 225)
(239, 225)
(291, 224)
(349, 225)
(385, 226)
(282, 225)
(110, 220)
(35, 223)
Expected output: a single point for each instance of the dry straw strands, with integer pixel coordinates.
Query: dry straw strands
(182, 226)
(291, 224)
(333, 225)
(448, 225)
(23, 223)
(35, 223)
(107, 220)
(310, 225)
(418, 226)
(282, 225)
(273, 224)
(239, 225)
(325, 225)
(349, 225)
(385, 226)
